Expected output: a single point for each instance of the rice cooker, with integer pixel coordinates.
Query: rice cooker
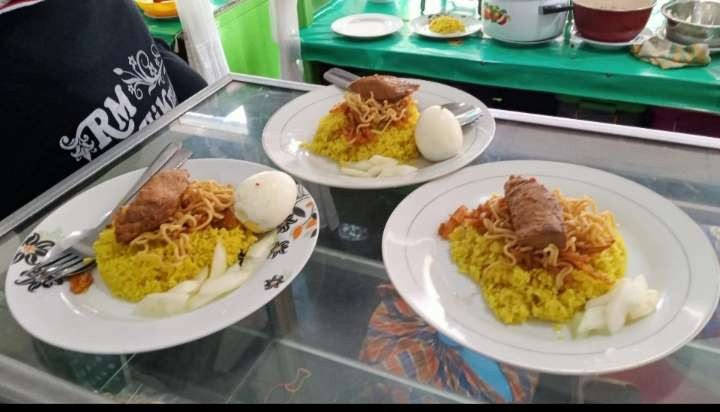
(524, 21)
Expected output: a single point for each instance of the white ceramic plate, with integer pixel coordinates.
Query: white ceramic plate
(421, 26)
(297, 121)
(644, 35)
(367, 26)
(95, 322)
(662, 242)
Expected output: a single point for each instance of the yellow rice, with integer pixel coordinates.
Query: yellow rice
(397, 142)
(447, 25)
(131, 274)
(516, 295)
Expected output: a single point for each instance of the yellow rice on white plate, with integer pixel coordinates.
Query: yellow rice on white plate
(516, 295)
(397, 141)
(131, 273)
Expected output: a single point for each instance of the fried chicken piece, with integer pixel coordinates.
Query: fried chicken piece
(383, 88)
(536, 215)
(156, 202)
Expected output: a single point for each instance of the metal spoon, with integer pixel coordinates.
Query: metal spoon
(464, 112)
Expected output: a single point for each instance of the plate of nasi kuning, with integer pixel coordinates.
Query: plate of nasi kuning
(552, 266)
(381, 132)
(198, 249)
(445, 26)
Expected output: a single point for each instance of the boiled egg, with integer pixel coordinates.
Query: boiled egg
(438, 134)
(264, 200)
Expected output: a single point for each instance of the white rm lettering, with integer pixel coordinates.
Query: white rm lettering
(122, 110)
(98, 121)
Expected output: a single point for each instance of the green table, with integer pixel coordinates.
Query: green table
(562, 66)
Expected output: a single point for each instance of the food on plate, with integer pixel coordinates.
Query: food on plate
(209, 284)
(378, 118)
(446, 25)
(264, 200)
(628, 300)
(536, 254)
(535, 213)
(359, 127)
(438, 134)
(376, 166)
(177, 229)
(382, 88)
(157, 260)
(156, 202)
(81, 282)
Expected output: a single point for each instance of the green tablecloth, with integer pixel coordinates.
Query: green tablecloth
(559, 67)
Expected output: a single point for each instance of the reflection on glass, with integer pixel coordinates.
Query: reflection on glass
(237, 116)
(352, 233)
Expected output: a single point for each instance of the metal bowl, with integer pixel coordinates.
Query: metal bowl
(693, 21)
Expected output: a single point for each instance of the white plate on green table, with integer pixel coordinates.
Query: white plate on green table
(421, 26)
(296, 123)
(367, 25)
(96, 322)
(662, 243)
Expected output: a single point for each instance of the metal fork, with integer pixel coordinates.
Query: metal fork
(69, 264)
(78, 257)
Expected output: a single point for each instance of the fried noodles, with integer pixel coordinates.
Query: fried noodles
(202, 204)
(588, 233)
(369, 117)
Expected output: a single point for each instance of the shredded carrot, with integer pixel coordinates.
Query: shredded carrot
(454, 221)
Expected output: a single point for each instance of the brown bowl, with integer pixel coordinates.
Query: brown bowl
(611, 21)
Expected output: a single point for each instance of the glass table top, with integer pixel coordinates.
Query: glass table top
(316, 341)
